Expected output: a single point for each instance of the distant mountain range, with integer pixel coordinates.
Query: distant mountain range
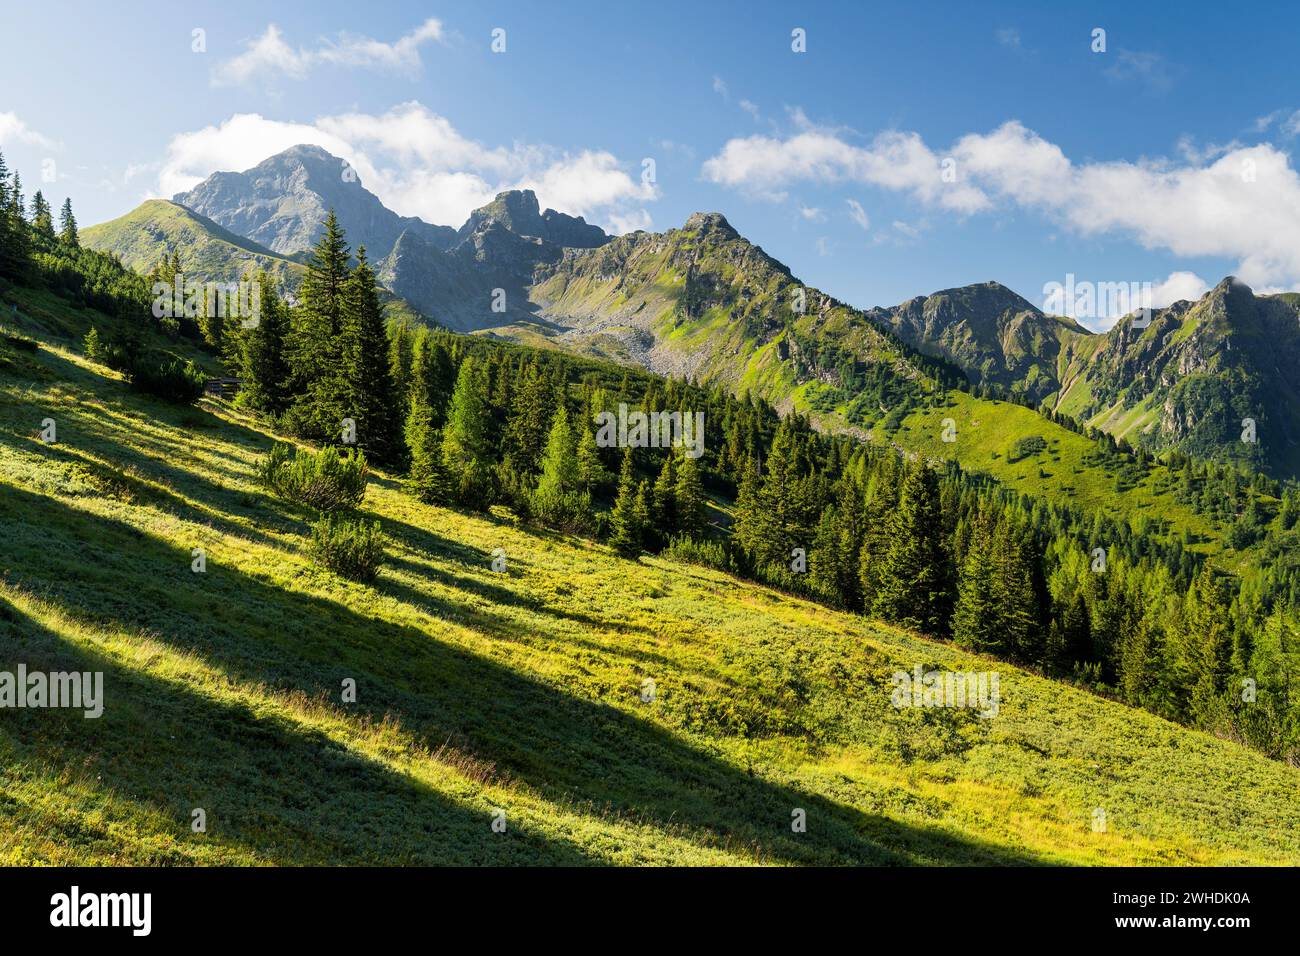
(704, 302)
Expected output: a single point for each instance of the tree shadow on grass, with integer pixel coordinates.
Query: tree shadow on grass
(285, 793)
(569, 748)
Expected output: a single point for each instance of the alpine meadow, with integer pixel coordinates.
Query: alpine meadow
(420, 463)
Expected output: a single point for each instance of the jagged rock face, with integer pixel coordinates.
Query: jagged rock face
(1203, 367)
(281, 202)
(992, 333)
(519, 212)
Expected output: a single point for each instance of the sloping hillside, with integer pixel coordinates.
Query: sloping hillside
(522, 691)
(157, 228)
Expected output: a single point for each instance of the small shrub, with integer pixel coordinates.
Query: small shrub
(571, 513)
(711, 553)
(172, 379)
(350, 547)
(327, 480)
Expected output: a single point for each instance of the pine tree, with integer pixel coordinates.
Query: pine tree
(17, 251)
(68, 225)
(368, 386)
(316, 353)
(264, 362)
(42, 217)
(592, 473)
(977, 620)
(689, 498)
(626, 531)
(428, 478)
(915, 581)
(664, 499)
(466, 447)
(560, 478)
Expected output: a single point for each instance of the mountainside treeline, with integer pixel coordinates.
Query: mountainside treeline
(1132, 612)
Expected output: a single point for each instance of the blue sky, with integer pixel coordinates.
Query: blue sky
(1166, 158)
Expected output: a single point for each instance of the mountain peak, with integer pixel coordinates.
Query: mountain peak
(281, 202)
(711, 222)
(519, 211)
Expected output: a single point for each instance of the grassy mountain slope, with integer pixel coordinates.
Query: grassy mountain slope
(157, 228)
(1189, 379)
(994, 335)
(519, 691)
(704, 303)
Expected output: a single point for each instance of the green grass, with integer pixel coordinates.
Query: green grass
(519, 691)
(986, 429)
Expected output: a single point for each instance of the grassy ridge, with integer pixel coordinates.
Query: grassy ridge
(520, 691)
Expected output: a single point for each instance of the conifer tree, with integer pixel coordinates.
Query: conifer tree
(592, 474)
(429, 478)
(264, 362)
(914, 589)
(466, 446)
(68, 225)
(316, 353)
(559, 477)
(689, 498)
(368, 385)
(626, 529)
(664, 500)
(977, 621)
(18, 247)
(42, 217)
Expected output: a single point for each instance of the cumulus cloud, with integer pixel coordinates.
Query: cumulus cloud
(765, 165)
(1240, 202)
(14, 130)
(1179, 285)
(269, 55)
(418, 164)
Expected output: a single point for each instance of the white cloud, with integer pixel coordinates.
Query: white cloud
(418, 164)
(811, 213)
(763, 165)
(15, 130)
(751, 108)
(1239, 202)
(270, 55)
(858, 214)
(1179, 285)
(720, 87)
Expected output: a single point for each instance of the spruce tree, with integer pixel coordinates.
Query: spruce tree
(592, 473)
(316, 350)
(625, 534)
(977, 620)
(559, 478)
(428, 478)
(42, 217)
(915, 581)
(689, 498)
(466, 441)
(68, 225)
(18, 247)
(264, 363)
(368, 386)
(664, 499)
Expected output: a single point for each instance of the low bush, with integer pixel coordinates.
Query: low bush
(350, 547)
(327, 480)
